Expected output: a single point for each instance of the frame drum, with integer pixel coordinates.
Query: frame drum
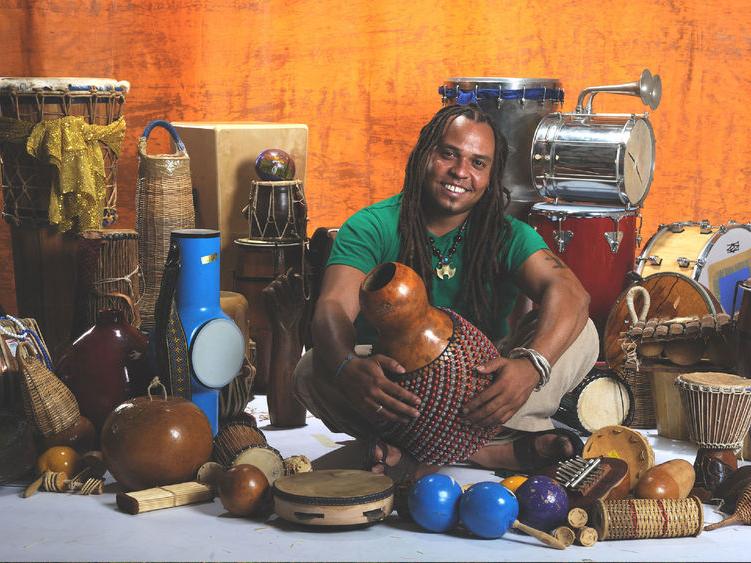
(597, 242)
(259, 263)
(517, 105)
(715, 256)
(605, 158)
(672, 295)
(334, 497)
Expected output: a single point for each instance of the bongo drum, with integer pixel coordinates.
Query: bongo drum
(743, 327)
(265, 458)
(672, 295)
(516, 105)
(259, 263)
(601, 399)
(334, 497)
(43, 258)
(597, 242)
(234, 438)
(716, 256)
(109, 276)
(277, 211)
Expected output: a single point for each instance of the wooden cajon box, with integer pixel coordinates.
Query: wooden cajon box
(222, 164)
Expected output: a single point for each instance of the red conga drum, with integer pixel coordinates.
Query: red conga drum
(597, 242)
(258, 264)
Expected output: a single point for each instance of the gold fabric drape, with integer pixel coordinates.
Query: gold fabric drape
(72, 146)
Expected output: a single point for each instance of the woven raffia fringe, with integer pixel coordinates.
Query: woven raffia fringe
(648, 518)
(640, 383)
(164, 202)
(47, 400)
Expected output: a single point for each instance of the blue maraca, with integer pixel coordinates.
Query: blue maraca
(434, 502)
(488, 509)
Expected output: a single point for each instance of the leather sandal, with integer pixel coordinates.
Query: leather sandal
(404, 470)
(528, 457)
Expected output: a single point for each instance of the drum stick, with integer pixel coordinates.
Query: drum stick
(545, 538)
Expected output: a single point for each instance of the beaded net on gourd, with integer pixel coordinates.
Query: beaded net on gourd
(439, 435)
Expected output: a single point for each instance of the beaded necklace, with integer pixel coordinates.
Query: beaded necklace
(445, 270)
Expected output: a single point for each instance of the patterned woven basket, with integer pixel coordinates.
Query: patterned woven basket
(648, 518)
(640, 383)
(164, 202)
(47, 401)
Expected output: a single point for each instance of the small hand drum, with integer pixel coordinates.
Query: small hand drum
(334, 497)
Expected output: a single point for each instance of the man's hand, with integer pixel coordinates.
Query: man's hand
(514, 383)
(365, 384)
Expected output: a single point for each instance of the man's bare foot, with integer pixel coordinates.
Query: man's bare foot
(389, 460)
(545, 449)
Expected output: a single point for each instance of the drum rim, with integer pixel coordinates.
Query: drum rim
(330, 501)
(515, 83)
(267, 243)
(588, 210)
(685, 381)
(10, 84)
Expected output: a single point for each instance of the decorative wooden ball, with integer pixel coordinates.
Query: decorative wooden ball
(243, 489)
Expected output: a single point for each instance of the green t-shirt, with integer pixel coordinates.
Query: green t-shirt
(371, 237)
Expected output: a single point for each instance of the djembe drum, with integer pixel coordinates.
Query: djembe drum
(108, 276)
(718, 407)
(35, 188)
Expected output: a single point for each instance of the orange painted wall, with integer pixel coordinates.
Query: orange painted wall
(364, 75)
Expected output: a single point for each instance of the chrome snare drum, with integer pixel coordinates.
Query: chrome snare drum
(516, 105)
(606, 158)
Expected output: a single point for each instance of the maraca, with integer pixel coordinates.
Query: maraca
(543, 503)
(434, 502)
(489, 509)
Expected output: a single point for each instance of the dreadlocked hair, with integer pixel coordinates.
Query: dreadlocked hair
(488, 231)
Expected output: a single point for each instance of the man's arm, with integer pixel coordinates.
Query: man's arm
(564, 309)
(362, 379)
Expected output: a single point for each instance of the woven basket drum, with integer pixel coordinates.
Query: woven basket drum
(640, 383)
(647, 518)
(164, 202)
(27, 183)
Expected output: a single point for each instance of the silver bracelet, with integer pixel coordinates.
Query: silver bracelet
(538, 361)
(344, 362)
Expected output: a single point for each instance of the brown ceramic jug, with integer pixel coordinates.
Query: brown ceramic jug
(105, 366)
(439, 351)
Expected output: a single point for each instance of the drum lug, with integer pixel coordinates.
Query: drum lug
(653, 260)
(705, 228)
(562, 238)
(676, 227)
(614, 239)
(684, 262)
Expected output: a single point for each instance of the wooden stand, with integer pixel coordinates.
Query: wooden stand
(44, 262)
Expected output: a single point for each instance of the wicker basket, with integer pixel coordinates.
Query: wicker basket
(648, 518)
(164, 202)
(640, 383)
(47, 401)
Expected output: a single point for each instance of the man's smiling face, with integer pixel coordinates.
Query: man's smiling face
(459, 168)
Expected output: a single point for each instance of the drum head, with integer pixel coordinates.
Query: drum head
(671, 295)
(554, 210)
(338, 497)
(603, 402)
(715, 379)
(217, 352)
(622, 443)
(638, 163)
(265, 458)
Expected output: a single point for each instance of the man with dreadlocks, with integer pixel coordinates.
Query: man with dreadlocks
(449, 224)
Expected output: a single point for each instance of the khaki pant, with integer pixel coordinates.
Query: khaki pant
(322, 396)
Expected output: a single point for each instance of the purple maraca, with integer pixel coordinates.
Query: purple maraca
(543, 503)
